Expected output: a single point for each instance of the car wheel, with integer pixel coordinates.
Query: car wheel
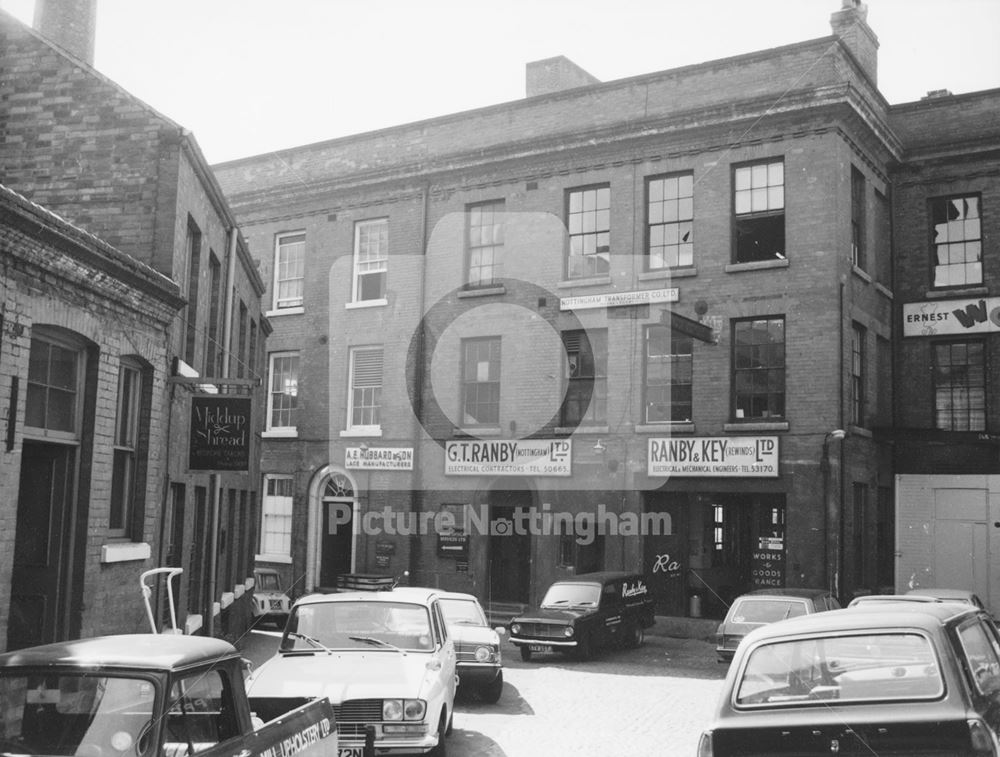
(584, 648)
(634, 636)
(491, 691)
(526, 654)
(441, 750)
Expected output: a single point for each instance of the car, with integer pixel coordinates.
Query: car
(761, 606)
(950, 595)
(875, 679)
(271, 604)
(385, 659)
(586, 613)
(477, 646)
(891, 599)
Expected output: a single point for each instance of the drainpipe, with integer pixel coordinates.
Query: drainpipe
(416, 503)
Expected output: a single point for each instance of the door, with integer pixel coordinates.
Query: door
(509, 551)
(336, 542)
(38, 611)
(961, 540)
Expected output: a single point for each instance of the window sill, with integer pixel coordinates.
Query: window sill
(290, 433)
(366, 431)
(570, 430)
(944, 294)
(861, 273)
(884, 290)
(361, 304)
(283, 559)
(126, 551)
(491, 291)
(853, 430)
(472, 431)
(277, 313)
(669, 428)
(596, 281)
(757, 265)
(666, 274)
(755, 426)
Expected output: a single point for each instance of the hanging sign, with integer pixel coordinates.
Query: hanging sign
(220, 434)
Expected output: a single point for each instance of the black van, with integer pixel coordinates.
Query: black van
(583, 614)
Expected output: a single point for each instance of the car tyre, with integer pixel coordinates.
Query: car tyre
(584, 648)
(526, 654)
(491, 692)
(634, 636)
(441, 750)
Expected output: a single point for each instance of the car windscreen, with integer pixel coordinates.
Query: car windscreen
(72, 714)
(359, 625)
(759, 610)
(463, 612)
(268, 582)
(873, 667)
(572, 595)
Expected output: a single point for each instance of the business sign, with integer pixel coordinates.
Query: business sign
(767, 563)
(618, 299)
(378, 458)
(714, 456)
(220, 434)
(520, 457)
(979, 315)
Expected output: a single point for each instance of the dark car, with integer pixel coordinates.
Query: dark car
(876, 679)
(583, 614)
(477, 646)
(749, 611)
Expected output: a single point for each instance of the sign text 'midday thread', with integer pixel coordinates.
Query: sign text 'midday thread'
(752, 456)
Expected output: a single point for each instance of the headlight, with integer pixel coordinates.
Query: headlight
(392, 709)
(414, 709)
(484, 654)
(515, 628)
(568, 631)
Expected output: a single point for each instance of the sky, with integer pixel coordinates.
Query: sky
(252, 76)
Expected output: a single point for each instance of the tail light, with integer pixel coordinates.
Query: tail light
(705, 744)
(984, 742)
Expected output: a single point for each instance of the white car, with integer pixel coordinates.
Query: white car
(385, 659)
(477, 646)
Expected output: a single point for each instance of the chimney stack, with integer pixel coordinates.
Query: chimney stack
(70, 24)
(543, 77)
(850, 23)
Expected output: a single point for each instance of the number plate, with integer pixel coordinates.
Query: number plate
(540, 648)
(350, 751)
(275, 604)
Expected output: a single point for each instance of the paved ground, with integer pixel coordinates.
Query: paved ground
(654, 700)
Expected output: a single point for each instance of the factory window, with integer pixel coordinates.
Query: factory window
(669, 376)
(959, 372)
(859, 248)
(485, 242)
(289, 270)
(371, 260)
(481, 381)
(276, 517)
(759, 208)
(956, 238)
(588, 220)
(366, 389)
(283, 392)
(759, 368)
(128, 472)
(669, 214)
(586, 399)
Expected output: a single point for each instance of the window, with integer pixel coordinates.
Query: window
(371, 259)
(241, 341)
(957, 241)
(276, 516)
(858, 229)
(485, 242)
(55, 376)
(589, 223)
(201, 713)
(213, 352)
(282, 400)
(366, 389)
(718, 528)
(125, 473)
(669, 376)
(481, 381)
(959, 386)
(289, 270)
(857, 398)
(759, 368)
(194, 276)
(669, 214)
(586, 399)
(759, 205)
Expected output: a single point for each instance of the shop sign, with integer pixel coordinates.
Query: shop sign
(519, 457)
(378, 458)
(618, 299)
(971, 316)
(715, 456)
(453, 545)
(220, 438)
(767, 563)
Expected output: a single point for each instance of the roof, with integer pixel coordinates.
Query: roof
(598, 577)
(400, 594)
(922, 615)
(458, 595)
(162, 652)
(790, 592)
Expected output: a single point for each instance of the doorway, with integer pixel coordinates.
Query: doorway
(337, 535)
(509, 551)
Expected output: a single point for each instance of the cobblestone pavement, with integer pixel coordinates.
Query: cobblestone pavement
(654, 700)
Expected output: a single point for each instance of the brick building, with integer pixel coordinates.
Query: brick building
(661, 307)
(75, 143)
(948, 342)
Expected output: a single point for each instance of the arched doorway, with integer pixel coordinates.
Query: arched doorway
(333, 531)
(509, 566)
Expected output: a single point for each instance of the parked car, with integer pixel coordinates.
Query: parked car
(271, 604)
(477, 646)
(586, 613)
(949, 595)
(762, 606)
(385, 659)
(876, 679)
